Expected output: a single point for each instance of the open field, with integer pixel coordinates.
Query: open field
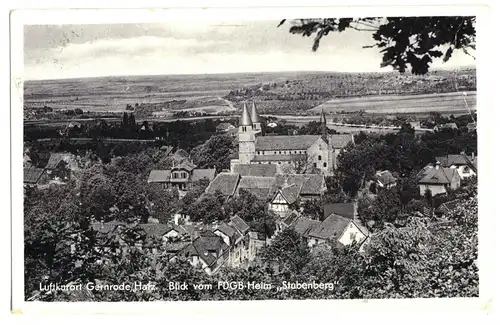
(112, 94)
(394, 104)
(161, 96)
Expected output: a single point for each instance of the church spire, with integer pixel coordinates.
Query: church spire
(244, 118)
(324, 128)
(254, 116)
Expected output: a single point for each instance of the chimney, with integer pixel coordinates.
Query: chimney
(462, 153)
(472, 154)
(437, 164)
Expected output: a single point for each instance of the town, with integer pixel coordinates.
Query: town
(312, 184)
(217, 218)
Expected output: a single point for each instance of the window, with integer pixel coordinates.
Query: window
(279, 162)
(319, 157)
(275, 152)
(244, 128)
(280, 152)
(324, 164)
(315, 165)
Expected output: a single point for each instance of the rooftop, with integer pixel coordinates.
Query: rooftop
(159, 176)
(32, 174)
(239, 224)
(304, 226)
(267, 170)
(331, 228)
(292, 157)
(339, 141)
(385, 177)
(225, 183)
(55, 159)
(346, 210)
(285, 142)
(437, 175)
(208, 173)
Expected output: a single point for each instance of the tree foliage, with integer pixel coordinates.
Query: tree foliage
(216, 152)
(405, 42)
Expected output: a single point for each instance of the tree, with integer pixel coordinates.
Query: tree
(404, 41)
(162, 202)
(217, 151)
(58, 239)
(385, 209)
(313, 209)
(288, 250)
(254, 211)
(208, 208)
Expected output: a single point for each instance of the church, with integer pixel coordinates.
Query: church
(291, 154)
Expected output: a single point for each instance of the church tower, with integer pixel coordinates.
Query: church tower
(246, 137)
(255, 120)
(324, 128)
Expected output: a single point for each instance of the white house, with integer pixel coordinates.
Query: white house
(438, 180)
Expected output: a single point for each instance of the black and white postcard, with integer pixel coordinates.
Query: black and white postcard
(195, 155)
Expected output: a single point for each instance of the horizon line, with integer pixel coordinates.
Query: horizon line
(466, 67)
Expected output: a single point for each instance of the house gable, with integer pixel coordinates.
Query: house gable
(279, 199)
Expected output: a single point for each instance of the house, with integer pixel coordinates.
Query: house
(445, 126)
(224, 183)
(34, 176)
(301, 153)
(235, 235)
(446, 207)
(471, 127)
(59, 166)
(338, 229)
(287, 220)
(256, 241)
(384, 179)
(181, 175)
(438, 180)
(303, 226)
(109, 238)
(208, 252)
(462, 163)
(281, 191)
(224, 127)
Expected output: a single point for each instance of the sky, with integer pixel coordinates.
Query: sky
(200, 47)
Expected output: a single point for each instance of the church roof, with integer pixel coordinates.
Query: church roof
(254, 116)
(244, 118)
(285, 142)
(297, 157)
(338, 141)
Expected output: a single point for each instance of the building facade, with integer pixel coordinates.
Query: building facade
(291, 153)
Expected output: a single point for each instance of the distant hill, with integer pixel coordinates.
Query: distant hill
(309, 90)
